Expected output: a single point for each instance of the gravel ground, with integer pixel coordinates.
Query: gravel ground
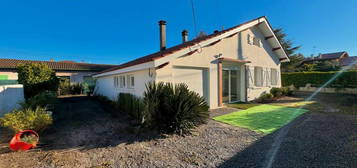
(87, 136)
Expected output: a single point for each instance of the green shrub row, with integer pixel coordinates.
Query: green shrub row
(274, 94)
(317, 79)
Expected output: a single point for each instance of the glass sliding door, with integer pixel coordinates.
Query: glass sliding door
(231, 85)
(225, 89)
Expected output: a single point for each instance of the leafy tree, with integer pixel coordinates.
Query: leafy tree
(326, 66)
(295, 59)
(36, 78)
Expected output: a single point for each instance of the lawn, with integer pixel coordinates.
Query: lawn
(262, 118)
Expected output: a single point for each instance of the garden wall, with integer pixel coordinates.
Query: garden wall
(10, 96)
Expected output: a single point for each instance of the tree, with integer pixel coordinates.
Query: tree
(295, 59)
(36, 78)
(285, 43)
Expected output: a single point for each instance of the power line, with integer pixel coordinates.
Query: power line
(194, 17)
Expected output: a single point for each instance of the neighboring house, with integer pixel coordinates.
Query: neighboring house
(348, 61)
(76, 72)
(340, 58)
(236, 64)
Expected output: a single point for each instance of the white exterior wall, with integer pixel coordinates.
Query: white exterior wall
(105, 85)
(10, 96)
(259, 56)
(206, 59)
(235, 47)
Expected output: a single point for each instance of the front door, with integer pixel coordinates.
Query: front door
(231, 85)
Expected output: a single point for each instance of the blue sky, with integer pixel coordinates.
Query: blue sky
(117, 31)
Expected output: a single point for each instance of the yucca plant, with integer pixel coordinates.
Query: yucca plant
(174, 108)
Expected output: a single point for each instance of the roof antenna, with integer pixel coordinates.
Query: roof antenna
(194, 17)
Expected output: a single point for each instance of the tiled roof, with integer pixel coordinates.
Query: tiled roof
(348, 60)
(176, 48)
(58, 66)
(327, 56)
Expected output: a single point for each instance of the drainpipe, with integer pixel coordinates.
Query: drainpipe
(220, 84)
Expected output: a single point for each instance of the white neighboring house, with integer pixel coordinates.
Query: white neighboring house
(236, 64)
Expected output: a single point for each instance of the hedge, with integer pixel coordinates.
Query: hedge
(317, 79)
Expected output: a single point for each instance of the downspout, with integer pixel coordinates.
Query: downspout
(246, 83)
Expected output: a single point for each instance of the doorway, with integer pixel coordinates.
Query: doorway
(231, 85)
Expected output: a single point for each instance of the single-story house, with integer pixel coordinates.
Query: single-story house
(340, 58)
(75, 72)
(236, 64)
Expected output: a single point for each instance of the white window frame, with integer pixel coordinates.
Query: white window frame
(258, 76)
(273, 73)
(115, 80)
(122, 82)
(131, 84)
(256, 41)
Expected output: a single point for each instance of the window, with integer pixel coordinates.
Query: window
(115, 81)
(274, 76)
(258, 76)
(250, 39)
(256, 41)
(131, 81)
(122, 81)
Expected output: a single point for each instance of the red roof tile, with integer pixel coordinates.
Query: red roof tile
(57, 66)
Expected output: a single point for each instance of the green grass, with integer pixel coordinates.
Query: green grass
(262, 118)
(243, 105)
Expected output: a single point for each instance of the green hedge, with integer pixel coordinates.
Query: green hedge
(317, 79)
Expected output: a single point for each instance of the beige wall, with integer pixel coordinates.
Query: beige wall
(11, 75)
(76, 77)
(235, 47)
(259, 56)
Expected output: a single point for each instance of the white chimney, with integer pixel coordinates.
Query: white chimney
(162, 25)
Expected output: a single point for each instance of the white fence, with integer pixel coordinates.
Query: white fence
(10, 96)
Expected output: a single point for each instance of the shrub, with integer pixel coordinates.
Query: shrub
(317, 79)
(64, 87)
(27, 119)
(174, 108)
(76, 89)
(132, 105)
(41, 100)
(276, 92)
(36, 78)
(265, 98)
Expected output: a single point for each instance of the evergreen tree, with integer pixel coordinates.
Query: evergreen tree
(295, 59)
